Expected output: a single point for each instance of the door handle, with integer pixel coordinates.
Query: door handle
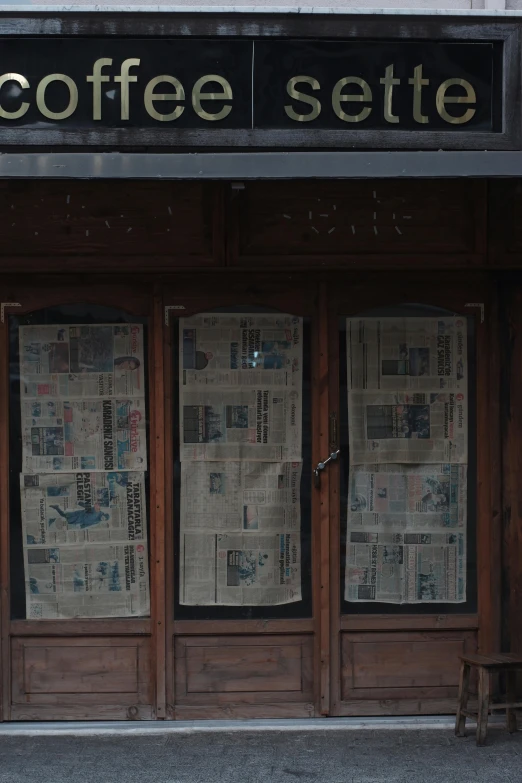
(321, 466)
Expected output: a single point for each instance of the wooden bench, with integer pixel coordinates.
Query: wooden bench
(487, 665)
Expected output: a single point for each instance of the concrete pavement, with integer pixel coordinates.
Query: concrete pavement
(368, 756)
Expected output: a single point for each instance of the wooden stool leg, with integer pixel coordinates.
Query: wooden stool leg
(511, 690)
(483, 706)
(460, 720)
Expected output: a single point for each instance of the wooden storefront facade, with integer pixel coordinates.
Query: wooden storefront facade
(324, 250)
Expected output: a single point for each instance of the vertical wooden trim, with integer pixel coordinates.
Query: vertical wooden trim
(335, 527)
(488, 554)
(501, 198)
(5, 609)
(480, 192)
(511, 367)
(232, 200)
(217, 195)
(323, 516)
(495, 469)
(157, 494)
(170, 553)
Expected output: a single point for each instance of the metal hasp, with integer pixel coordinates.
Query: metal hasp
(321, 466)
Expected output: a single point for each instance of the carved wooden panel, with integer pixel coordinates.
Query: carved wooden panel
(505, 223)
(81, 677)
(381, 222)
(106, 219)
(401, 665)
(221, 670)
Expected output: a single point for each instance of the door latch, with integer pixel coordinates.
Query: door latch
(321, 466)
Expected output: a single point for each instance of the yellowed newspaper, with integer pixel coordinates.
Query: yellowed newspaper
(84, 435)
(407, 390)
(408, 435)
(407, 533)
(407, 568)
(76, 508)
(237, 424)
(89, 580)
(238, 569)
(84, 457)
(253, 349)
(68, 361)
(241, 452)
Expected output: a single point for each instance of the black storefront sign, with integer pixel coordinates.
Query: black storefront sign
(95, 83)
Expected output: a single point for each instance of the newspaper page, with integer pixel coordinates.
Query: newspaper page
(240, 569)
(406, 354)
(241, 450)
(407, 534)
(239, 502)
(418, 427)
(241, 387)
(83, 435)
(264, 350)
(83, 508)
(399, 497)
(84, 457)
(241, 424)
(89, 580)
(240, 496)
(407, 505)
(69, 361)
(410, 568)
(407, 389)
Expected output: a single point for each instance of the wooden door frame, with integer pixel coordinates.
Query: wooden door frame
(475, 296)
(47, 291)
(298, 295)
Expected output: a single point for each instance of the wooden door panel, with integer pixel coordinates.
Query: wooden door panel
(77, 226)
(243, 669)
(402, 665)
(360, 223)
(86, 670)
(266, 668)
(81, 676)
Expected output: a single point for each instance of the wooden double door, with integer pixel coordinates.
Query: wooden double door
(319, 655)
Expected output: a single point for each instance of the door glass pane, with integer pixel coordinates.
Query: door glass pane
(408, 522)
(78, 464)
(242, 457)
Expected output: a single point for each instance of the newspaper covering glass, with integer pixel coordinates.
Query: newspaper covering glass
(230, 569)
(407, 568)
(236, 424)
(67, 361)
(405, 427)
(83, 435)
(406, 534)
(384, 497)
(407, 389)
(407, 504)
(401, 354)
(241, 496)
(77, 508)
(89, 580)
(241, 452)
(84, 457)
(241, 350)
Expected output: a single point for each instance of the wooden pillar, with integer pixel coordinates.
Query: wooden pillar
(511, 419)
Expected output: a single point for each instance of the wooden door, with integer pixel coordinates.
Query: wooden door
(388, 658)
(68, 668)
(250, 661)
